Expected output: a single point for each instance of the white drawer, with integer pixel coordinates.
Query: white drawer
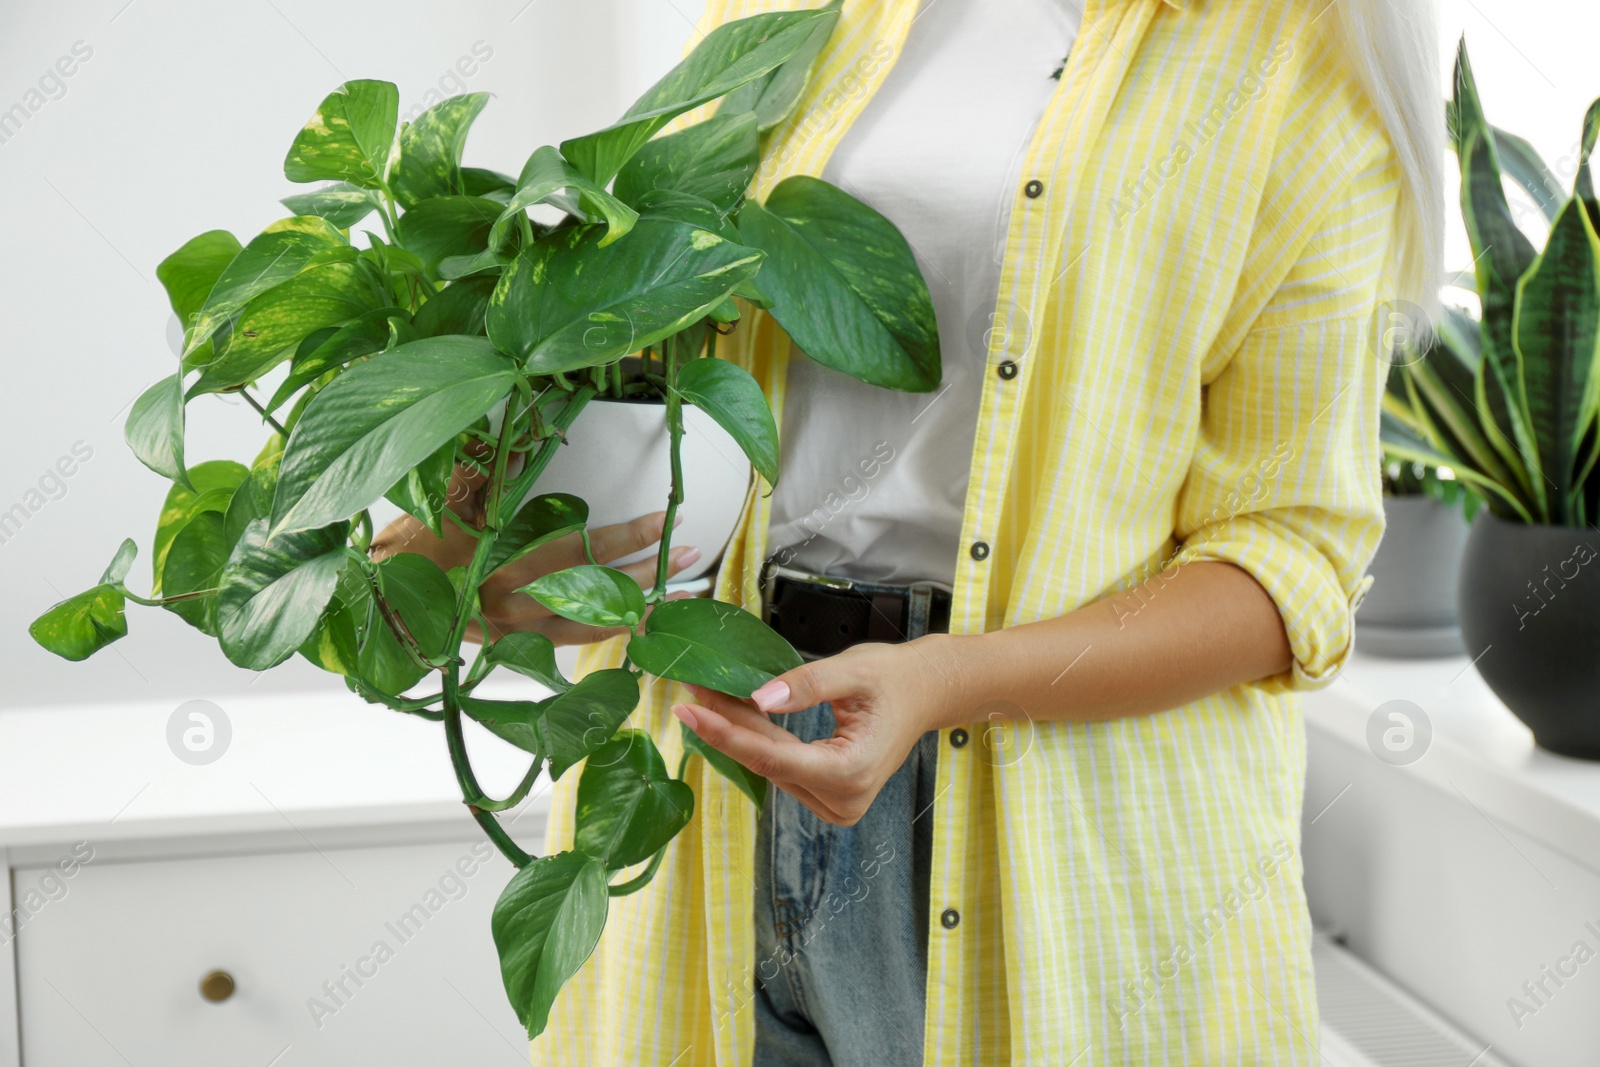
(339, 956)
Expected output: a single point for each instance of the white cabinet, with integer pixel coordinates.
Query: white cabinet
(338, 956)
(325, 864)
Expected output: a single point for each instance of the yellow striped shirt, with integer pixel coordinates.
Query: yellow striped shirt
(1189, 301)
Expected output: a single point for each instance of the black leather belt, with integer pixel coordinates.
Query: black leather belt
(821, 615)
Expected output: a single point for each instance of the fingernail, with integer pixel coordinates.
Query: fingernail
(771, 695)
(686, 716)
(685, 555)
(677, 519)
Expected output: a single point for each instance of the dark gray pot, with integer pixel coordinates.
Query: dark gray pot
(1530, 615)
(1411, 608)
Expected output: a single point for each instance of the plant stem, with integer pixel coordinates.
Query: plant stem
(365, 533)
(410, 705)
(516, 794)
(391, 221)
(633, 885)
(675, 497)
(162, 601)
(471, 792)
(536, 464)
(268, 419)
(502, 454)
(397, 626)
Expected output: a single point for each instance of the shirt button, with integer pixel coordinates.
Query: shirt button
(1007, 369)
(980, 550)
(1033, 188)
(958, 738)
(950, 919)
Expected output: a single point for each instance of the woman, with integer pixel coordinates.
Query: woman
(1066, 830)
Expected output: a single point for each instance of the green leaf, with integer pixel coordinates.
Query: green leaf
(583, 718)
(517, 722)
(629, 807)
(539, 521)
(189, 273)
(82, 625)
(253, 498)
(599, 596)
(380, 661)
(711, 644)
(273, 325)
(1440, 393)
(154, 429)
(734, 399)
(747, 781)
(1583, 186)
(772, 97)
(417, 590)
(272, 592)
(376, 421)
(430, 149)
(448, 226)
(459, 308)
(277, 254)
(213, 485)
(194, 563)
(117, 569)
(845, 285)
(678, 206)
(348, 138)
(530, 655)
(729, 56)
(1557, 336)
(566, 303)
(714, 160)
(486, 264)
(545, 924)
(480, 181)
(750, 291)
(335, 644)
(341, 203)
(1502, 255)
(1523, 165)
(547, 178)
(334, 346)
(1403, 443)
(424, 490)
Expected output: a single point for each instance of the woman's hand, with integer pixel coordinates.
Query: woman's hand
(884, 698)
(503, 606)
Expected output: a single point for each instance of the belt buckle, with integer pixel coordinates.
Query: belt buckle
(771, 571)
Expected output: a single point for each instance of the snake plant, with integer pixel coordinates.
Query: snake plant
(375, 365)
(1511, 402)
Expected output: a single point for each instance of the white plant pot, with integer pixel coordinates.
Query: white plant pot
(618, 459)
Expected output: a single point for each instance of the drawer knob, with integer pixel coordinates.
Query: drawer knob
(217, 986)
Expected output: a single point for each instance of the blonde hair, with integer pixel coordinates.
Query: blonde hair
(1392, 46)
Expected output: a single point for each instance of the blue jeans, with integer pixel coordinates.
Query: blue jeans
(842, 920)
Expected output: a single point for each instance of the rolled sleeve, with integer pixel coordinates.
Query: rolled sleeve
(1285, 482)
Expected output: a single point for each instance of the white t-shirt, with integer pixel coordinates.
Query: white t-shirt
(873, 481)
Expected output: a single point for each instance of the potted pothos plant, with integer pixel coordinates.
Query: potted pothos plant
(1511, 404)
(375, 364)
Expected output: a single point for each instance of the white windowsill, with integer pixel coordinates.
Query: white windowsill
(1480, 753)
